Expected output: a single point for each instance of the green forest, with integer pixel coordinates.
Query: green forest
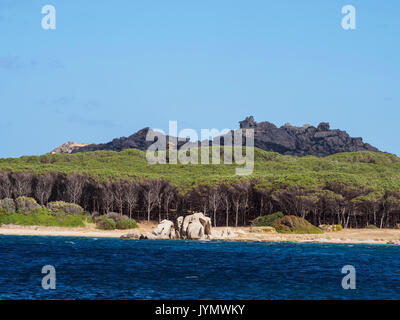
(353, 189)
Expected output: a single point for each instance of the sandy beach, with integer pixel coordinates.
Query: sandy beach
(371, 236)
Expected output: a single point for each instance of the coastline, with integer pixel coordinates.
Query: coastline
(16, 230)
(346, 236)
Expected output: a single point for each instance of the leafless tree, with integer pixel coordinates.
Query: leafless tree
(22, 183)
(159, 188)
(131, 195)
(107, 196)
(226, 200)
(5, 185)
(214, 199)
(149, 189)
(169, 195)
(43, 187)
(391, 203)
(237, 199)
(247, 187)
(74, 186)
(118, 188)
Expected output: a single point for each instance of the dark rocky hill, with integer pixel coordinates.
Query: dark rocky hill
(306, 140)
(298, 141)
(135, 141)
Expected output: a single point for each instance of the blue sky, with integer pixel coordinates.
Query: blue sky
(113, 67)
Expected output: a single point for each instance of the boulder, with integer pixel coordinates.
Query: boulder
(194, 227)
(195, 218)
(166, 229)
(131, 235)
(205, 221)
(178, 224)
(226, 233)
(139, 236)
(148, 235)
(195, 231)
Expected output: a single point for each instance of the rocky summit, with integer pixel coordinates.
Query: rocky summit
(302, 141)
(318, 141)
(135, 141)
(68, 147)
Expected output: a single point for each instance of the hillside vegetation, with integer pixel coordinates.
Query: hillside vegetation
(378, 171)
(352, 189)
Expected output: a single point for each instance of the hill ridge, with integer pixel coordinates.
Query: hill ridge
(306, 140)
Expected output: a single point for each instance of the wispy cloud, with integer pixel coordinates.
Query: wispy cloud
(58, 105)
(16, 62)
(60, 101)
(77, 119)
(64, 105)
(55, 64)
(92, 105)
(12, 62)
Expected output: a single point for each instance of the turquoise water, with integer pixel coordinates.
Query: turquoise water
(90, 268)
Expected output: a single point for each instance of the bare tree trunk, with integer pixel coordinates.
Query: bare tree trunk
(237, 215)
(148, 213)
(227, 215)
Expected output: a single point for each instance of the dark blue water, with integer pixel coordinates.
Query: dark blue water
(88, 268)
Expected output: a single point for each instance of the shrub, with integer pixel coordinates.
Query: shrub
(73, 220)
(26, 205)
(126, 223)
(42, 217)
(338, 227)
(293, 224)
(114, 216)
(114, 220)
(371, 226)
(105, 223)
(7, 205)
(268, 220)
(61, 206)
(95, 215)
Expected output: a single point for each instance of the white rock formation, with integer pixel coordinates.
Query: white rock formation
(165, 229)
(226, 233)
(195, 226)
(67, 147)
(178, 225)
(195, 231)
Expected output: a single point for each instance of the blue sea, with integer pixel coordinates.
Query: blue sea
(102, 268)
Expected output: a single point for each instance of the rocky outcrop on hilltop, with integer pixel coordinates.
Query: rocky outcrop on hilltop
(318, 141)
(68, 147)
(134, 141)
